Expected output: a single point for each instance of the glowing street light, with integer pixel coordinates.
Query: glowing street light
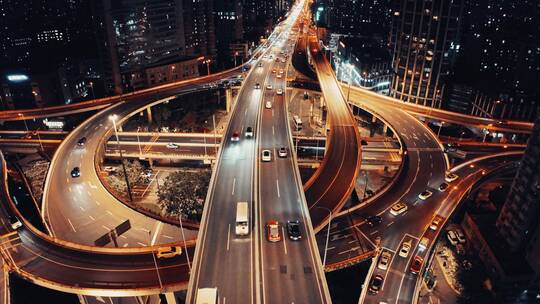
(113, 118)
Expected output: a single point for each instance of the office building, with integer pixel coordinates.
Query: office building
(425, 38)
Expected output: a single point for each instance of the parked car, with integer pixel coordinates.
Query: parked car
(172, 146)
(460, 236)
(384, 260)
(405, 248)
(293, 229)
(168, 252)
(416, 264)
(452, 237)
(398, 208)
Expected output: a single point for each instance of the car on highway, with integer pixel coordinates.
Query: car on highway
(384, 260)
(260, 65)
(443, 187)
(272, 231)
(405, 249)
(424, 242)
(435, 223)
(172, 146)
(452, 237)
(268, 105)
(425, 195)
(15, 223)
(257, 85)
(269, 86)
(398, 208)
(235, 136)
(249, 132)
(81, 141)
(109, 169)
(293, 229)
(450, 177)
(168, 252)
(279, 76)
(266, 155)
(279, 91)
(282, 152)
(373, 220)
(273, 71)
(416, 264)
(76, 172)
(376, 284)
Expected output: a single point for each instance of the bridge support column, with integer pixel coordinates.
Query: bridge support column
(228, 100)
(385, 129)
(149, 115)
(171, 299)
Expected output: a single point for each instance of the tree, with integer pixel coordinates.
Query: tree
(134, 170)
(183, 193)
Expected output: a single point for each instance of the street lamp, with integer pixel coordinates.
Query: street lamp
(113, 118)
(24, 121)
(155, 262)
(207, 61)
(184, 241)
(235, 54)
(440, 127)
(351, 67)
(204, 136)
(327, 234)
(92, 88)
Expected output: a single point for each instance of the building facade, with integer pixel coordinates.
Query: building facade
(424, 40)
(518, 221)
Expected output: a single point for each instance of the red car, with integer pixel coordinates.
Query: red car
(416, 264)
(272, 231)
(235, 136)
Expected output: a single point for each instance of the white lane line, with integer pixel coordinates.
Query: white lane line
(125, 245)
(273, 131)
(284, 242)
(374, 232)
(92, 218)
(277, 187)
(106, 228)
(167, 236)
(82, 208)
(233, 185)
(124, 237)
(109, 212)
(98, 203)
(88, 192)
(224, 300)
(69, 189)
(389, 224)
(92, 185)
(142, 244)
(157, 231)
(143, 229)
(228, 236)
(72, 227)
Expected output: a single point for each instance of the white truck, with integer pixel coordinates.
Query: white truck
(207, 296)
(242, 219)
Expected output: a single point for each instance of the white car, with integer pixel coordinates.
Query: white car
(405, 248)
(278, 76)
(172, 146)
(435, 223)
(461, 236)
(398, 208)
(384, 260)
(450, 177)
(279, 92)
(282, 152)
(424, 242)
(268, 105)
(452, 237)
(109, 169)
(266, 155)
(269, 87)
(425, 195)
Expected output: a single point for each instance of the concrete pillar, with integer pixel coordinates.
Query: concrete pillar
(171, 299)
(149, 115)
(385, 128)
(228, 100)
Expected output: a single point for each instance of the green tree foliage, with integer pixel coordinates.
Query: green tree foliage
(184, 192)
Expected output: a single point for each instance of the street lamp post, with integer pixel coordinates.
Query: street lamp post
(440, 127)
(24, 121)
(327, 234)
(139, 143)
(92, 88)
(204, 131)
(155, 262)
(350, 80)
(207, 61)
(184, 241)
(215, 134)
(113, 118)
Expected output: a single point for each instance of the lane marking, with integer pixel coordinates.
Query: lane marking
(233, 185)
(157, 231)
(72, 227)
(277, 187)
(106, 228)
(92, 218)
(284, 242)
(228, 236)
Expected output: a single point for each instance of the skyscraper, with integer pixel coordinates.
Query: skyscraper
(518, 221)
(424, 40)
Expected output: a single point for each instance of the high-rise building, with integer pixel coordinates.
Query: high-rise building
(229, 23)
(357, 17)
(133, 35)
(424, 40)
(518, 221)
(501, 56)
(260, 15)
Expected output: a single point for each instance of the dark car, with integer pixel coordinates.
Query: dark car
(376, 284)
(416, 264)
(374, 220)
(81, 142)
(293, 229)
(76, 172)
(257, 85)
